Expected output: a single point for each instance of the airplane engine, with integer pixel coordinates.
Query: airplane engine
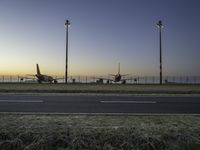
(100, 81)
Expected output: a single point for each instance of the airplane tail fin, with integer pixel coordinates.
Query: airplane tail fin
(38, 70)
(119, 68)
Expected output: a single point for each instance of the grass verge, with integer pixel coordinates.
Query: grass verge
(99, 88)
(75, 132)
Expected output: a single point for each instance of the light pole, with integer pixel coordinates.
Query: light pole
(67, 23)
(160, 26)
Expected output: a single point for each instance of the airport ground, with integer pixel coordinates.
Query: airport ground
(177, 128)
(100, 88)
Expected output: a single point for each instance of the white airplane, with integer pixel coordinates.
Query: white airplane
(116, 77)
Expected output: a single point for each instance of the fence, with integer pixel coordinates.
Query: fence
(94, 79)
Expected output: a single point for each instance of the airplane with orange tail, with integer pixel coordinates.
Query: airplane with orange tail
(41, 77)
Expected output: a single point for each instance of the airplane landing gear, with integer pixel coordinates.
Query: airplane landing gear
(55, 81)
(100, 81)
(124, 82)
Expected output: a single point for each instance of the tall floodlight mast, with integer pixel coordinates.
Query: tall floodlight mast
(160, 26)
(67, 24)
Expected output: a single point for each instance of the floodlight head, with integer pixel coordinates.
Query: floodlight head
(67, 23)
(159, 24)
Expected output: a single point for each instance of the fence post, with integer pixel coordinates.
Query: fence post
(173, 79)
(187, 79)
(79, 79)
(181, 79)
(153, 80)
(145, 79)
(166, 79)
(194, 79)
(10, 78)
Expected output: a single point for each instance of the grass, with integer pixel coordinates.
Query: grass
(100, 88)
(75, 132)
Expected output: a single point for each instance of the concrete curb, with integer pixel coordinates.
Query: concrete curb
(96, 114)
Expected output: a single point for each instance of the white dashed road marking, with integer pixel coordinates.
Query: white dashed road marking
(21, 101)
(134, 102)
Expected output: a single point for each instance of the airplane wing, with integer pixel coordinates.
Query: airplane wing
(31, 75)
(111, 74)
(131, 78)
(58, 78)
(27, 78)
(127, 78)
(125, 75)
(102, 79)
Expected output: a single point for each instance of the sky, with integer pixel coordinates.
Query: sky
(102, 34)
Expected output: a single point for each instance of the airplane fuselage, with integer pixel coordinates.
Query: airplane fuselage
(44, 78)
(117, 78)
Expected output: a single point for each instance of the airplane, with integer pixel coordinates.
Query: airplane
(43, 78)
(117, 77)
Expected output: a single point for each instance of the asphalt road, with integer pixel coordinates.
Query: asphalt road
(99, 104)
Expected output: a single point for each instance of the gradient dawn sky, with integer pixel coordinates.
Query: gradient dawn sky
(102, 34)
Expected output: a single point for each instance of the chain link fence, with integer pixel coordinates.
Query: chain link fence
(104, 79)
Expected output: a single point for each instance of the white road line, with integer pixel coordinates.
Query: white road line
(134, 102)
(21, 101)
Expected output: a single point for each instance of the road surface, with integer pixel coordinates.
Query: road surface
(99, 104)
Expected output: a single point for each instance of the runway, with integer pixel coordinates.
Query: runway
(99, 104)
